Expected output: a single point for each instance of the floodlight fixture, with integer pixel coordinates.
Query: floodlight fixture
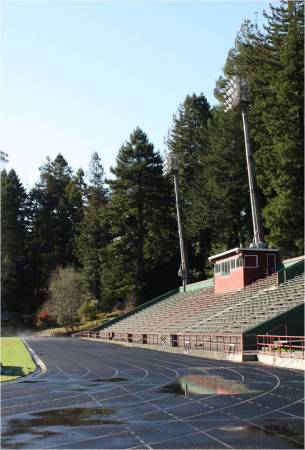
(170, 163)
(237, 93)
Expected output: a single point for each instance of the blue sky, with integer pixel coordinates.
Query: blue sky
(79, 76)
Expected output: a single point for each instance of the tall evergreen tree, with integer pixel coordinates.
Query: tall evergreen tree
(226, 204)
(140, 218)
(188, 138)
(15, 267)
(75, 192)
(273, 61)
(188, 142)
(285, 123)
(51, 222)
(93, 230)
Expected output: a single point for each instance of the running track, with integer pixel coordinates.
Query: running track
(105, 396)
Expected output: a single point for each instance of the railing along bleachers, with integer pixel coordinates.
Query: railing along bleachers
(191, 341)
(283, 346)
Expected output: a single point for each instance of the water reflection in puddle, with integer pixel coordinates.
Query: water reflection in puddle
(200, 385)
(292, 431)
(71, 417)
(7, 442)
(36, 424)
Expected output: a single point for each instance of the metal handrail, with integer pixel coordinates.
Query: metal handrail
(231, 343)
(281, 345)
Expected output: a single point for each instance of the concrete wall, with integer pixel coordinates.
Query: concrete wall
(291, 363)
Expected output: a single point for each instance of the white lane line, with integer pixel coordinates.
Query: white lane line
(292, 415)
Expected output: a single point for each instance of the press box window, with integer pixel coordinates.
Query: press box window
(225, 268)
(251, 261)
(217, 268)
(239, 261)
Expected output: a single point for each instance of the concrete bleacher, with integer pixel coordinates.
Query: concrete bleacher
(203, 311)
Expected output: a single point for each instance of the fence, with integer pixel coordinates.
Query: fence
(193, 341)
(284, 346)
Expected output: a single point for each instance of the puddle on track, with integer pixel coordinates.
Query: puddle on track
(36, 424)
(205, 385)
(7, 439)
(290, 431)
(293, 430)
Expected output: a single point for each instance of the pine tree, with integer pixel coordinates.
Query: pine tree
(227, 200)
(51, 222)
(188, 142)
(15, 267)
(188, 138)
(139, 216)
(285, 123)
(75, 192)
(93, 231)
(272, 61)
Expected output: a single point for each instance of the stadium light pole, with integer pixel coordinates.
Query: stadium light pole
(238, 96)
(170, 168)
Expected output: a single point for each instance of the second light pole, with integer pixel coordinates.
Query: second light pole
(170, 167)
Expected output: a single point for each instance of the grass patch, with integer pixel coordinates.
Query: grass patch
(15, 358)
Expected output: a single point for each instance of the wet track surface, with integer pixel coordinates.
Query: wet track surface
(98, 395)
